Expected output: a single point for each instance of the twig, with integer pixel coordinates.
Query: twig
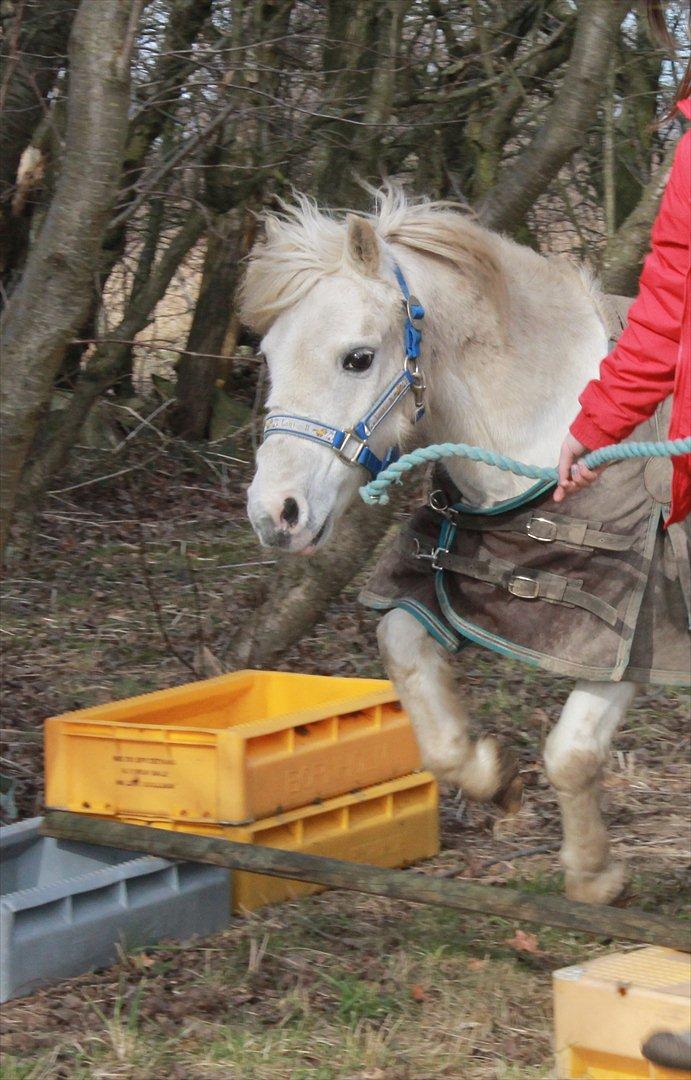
(256, 407)
(524, 853)
(155, 604)
(192, 574)
(108, 476)
(145, 421)
(156, 345)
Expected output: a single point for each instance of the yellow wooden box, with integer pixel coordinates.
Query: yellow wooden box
(228, 750)
(606, 1008)
(390, 824)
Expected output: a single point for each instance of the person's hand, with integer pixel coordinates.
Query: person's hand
(573, 474)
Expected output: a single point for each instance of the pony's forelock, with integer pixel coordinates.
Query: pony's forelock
(303, 243)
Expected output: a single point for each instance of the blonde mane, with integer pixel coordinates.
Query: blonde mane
(303, 243)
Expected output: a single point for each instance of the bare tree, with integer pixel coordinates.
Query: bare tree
(49, 303)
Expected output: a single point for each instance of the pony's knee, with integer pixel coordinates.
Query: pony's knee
(577, 748)
(402, 640)
(570, 769)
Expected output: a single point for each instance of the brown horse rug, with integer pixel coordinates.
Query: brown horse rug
(595, 589)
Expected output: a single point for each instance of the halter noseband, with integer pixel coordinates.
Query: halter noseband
(350, 444)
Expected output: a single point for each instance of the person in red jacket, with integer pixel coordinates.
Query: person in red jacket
(652, 358)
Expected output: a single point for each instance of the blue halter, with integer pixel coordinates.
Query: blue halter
(350, 444)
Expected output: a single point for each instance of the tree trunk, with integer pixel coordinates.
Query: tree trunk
(109, 363)
(155, 112)
(32, 53)
(52, 299)
(625, 250)
(214, 309)
(349, 66)
(124, 387)
(561, 134)
(303, 590)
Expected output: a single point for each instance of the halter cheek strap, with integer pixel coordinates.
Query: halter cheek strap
(350, 444)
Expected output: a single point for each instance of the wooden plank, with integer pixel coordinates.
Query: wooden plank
(627, 924)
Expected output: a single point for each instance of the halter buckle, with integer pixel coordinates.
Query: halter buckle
(414, 309)
(350, 456)
(417, 384)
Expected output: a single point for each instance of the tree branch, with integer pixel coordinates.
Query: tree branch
(625, 250)
(303, 590)
(572, 110)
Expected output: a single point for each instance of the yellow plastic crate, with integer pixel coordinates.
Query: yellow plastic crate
(605, 1009)
(391, 824)
(228, 750)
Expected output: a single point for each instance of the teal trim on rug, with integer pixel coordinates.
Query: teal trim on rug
(469, 630)
(540, 488)
(432, 625)
(441, 633)
(477, 635)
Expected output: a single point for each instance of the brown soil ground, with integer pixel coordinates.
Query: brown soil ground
(338, 985)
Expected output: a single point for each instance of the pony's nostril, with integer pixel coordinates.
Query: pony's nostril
(290, 512)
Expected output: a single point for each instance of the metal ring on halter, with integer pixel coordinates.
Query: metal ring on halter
(438, 501)
(418, 383)
(412, 366)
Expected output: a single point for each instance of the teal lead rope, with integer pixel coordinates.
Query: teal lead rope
(375, 491)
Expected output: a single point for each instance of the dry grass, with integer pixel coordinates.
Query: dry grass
(337, 986)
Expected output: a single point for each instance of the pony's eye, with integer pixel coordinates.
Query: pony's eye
(358, 360)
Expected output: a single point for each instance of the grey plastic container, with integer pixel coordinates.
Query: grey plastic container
(66, 907)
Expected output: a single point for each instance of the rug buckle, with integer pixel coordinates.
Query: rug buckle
(543, 529)
(527, 588)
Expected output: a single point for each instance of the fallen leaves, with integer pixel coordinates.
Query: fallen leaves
(523, 941)
(476, 964)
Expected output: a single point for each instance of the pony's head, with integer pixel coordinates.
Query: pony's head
(323, 294)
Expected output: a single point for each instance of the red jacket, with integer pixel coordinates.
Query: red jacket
(652, 358)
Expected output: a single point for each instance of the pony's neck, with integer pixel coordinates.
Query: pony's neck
(505, 380)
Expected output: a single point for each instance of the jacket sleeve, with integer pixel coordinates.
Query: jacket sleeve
(639, 372)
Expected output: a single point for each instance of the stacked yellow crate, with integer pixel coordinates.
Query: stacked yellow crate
(606, 1008)
(309, 763)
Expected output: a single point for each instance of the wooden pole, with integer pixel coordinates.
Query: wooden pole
(600, 921)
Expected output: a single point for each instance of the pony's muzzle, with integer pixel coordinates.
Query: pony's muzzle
(269, 535)
(279, 519)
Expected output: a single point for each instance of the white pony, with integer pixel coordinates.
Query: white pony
(511, 338)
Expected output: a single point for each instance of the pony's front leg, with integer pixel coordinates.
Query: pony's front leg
(575, 754)
(421, 672)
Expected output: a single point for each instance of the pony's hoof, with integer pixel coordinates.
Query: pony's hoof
(509, 793)
(600, 888)
(510, 797)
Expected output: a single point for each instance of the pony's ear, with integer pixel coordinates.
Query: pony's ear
(362, 245)
(271, 227)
